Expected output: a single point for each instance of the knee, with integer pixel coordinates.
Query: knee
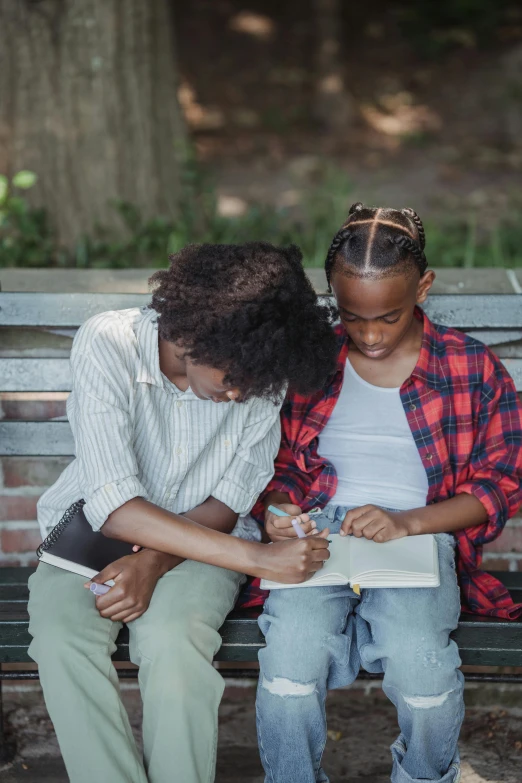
(426, 678)
(293, 664)
(184, 637)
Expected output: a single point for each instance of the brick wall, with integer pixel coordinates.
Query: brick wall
(23, 479)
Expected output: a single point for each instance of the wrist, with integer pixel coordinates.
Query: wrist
(254, 558)
(412, 522)
(161, 561)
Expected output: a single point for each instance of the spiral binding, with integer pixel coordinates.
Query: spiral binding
(57, 531)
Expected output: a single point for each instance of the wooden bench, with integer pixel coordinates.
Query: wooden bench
(36, 332)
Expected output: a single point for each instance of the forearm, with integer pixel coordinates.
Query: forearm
(150, 526)
(214, 514)
(447, 516)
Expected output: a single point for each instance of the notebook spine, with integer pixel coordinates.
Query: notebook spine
(56, 532)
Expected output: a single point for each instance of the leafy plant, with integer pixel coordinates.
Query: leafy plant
(25, 237)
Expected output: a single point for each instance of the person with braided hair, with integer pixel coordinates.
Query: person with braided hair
(419, 430)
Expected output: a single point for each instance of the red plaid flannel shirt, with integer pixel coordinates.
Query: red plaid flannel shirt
(466, 419)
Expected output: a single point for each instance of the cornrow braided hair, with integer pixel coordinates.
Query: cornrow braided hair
(376, 240)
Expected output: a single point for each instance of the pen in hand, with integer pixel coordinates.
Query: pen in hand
(295, 522)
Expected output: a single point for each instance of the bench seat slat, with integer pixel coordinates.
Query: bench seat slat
(482, 641)
(497, 643)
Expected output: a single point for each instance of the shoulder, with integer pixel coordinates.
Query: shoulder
(468, 361)
(109, 338)
(114, 326)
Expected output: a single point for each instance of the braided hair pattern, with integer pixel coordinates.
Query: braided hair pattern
(377, 241)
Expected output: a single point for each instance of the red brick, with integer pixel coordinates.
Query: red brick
(509, 541)
(32, 472)
(20, 540)
(32, 410)
(497, 564)
(17, 507)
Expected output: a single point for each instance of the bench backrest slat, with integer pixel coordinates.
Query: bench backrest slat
(463, 311)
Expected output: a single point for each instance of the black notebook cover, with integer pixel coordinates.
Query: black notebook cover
(75, 543)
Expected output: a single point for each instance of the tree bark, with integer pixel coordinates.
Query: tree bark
(333, 106)
(88, 101)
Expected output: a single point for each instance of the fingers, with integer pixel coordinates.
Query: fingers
(112, 571)
(373, 527)
(352, 516)
(320, 540)
(285, 523)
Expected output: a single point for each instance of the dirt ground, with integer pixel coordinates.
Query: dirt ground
(361, 723)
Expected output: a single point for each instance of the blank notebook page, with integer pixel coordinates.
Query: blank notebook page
(410, 555)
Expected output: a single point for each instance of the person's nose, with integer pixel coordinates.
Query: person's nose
(370, 335)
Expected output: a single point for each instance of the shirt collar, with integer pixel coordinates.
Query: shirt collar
(428, 369)
(148, 347)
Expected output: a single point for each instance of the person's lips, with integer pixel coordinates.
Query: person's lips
(373, 353)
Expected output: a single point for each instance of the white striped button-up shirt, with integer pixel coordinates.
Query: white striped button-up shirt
(137, 435)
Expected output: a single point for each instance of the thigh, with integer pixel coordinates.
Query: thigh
(63, 613)
(309, 634)
(189, 605)
(406, 632)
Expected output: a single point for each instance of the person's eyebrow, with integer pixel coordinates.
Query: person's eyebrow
(385, 315)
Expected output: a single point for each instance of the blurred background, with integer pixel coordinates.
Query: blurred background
(128, 129)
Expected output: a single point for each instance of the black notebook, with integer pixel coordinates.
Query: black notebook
(74, 546)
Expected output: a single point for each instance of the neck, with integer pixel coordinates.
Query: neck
(172, 364)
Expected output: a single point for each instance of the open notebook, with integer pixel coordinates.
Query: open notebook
(404, 562)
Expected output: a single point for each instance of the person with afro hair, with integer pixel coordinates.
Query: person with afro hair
(175, 415)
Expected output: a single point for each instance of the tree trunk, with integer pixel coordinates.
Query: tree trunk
(333, 106)
(88, 102)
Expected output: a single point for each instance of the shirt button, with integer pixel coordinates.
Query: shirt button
(179, 403)
(227, 444)
(108, 488)
(179, 451)
(429, 457)
(412, 406)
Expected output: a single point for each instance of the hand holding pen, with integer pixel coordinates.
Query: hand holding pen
(287, 521)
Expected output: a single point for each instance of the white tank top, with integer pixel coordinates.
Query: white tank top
(369, 442)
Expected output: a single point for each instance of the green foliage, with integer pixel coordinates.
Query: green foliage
(458, 243)
(25, 237)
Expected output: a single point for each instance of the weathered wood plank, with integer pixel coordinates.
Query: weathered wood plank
(42, 375)
(36, 439)
(465, 311)
(491, 311)
(61, 310)
(482, 640)
(489, 643)
(50, 375)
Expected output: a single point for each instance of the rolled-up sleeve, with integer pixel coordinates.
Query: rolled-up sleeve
(102, 429)
(495, 471)
(253, 464)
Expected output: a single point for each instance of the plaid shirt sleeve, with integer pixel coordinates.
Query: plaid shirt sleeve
(496, 459)
(288, 477)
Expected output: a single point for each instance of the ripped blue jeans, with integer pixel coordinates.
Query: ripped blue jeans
(318, 638)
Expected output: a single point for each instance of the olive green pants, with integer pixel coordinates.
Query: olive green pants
(173, 643)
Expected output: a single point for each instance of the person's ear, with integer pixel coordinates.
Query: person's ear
(425, 283)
